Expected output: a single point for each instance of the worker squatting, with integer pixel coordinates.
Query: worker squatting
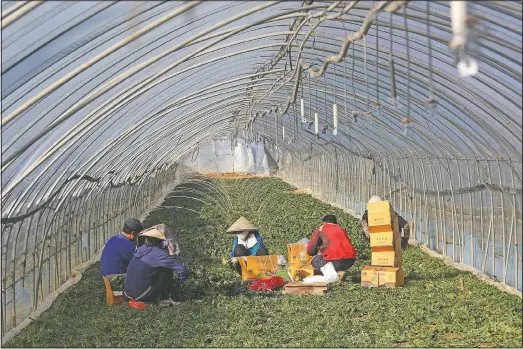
(148, 258)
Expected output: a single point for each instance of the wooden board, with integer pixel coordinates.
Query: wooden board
(303, 284)
(317, 288)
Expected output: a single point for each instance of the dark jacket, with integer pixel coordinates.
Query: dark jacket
(117, 254)
(144, 267)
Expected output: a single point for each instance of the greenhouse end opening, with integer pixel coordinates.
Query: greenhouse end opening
(261, 174)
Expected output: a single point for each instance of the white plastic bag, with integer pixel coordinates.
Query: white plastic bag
(329, 275)
(315, 278)
(329, 271)
(304, 241)
(282, 260)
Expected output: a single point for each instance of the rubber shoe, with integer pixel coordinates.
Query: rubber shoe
(166, 303)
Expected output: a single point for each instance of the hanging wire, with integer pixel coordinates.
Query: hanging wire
(408, 58)
(301, 99)
(316, 103)
(276, 126)
(195, 153)
(355, 111)
(408, 120)
(335, 82)
(345, 89)
(392, 97)
(310, 109)
(345, 73)
(430, 100)
(377, 63)
(367, 113)
(296, 125)
(325, 125)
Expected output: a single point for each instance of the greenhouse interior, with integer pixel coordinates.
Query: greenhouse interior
(211, 124)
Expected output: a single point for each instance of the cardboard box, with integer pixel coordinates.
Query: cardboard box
(385, 239)
(386, 247)
(394, 227)
(386, 256)
(298, 254)
(391, 277)
(300, 271)
(369, 277)
(258, 267)
(380, 213)
(372, 276)
(389, 237)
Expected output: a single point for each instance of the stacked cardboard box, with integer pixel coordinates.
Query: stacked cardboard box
(299, 266)
(385, 244)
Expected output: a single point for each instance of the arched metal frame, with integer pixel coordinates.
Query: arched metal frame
(102, 103)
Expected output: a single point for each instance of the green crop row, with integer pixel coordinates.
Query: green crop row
(218, 309)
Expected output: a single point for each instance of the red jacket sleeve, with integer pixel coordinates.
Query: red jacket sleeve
(312, 247)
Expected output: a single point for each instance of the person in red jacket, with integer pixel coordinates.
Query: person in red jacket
(334, 246)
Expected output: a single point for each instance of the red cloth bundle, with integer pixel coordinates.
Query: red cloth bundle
(270, 284)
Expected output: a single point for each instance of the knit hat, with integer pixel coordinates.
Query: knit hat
(240, 225)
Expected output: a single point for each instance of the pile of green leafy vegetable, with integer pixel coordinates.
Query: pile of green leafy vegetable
(218, 310)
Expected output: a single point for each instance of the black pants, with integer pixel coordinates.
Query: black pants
(342, 264)
(241, 251)
(161, 287)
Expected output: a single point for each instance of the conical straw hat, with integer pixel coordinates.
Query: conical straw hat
(241, 225)
(157, 231)
(162, 232)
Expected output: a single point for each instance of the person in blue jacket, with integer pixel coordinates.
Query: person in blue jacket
(119, 249)
(150, 273)
(247, 242)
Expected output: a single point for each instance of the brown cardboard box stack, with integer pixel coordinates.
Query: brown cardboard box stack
(385, 244)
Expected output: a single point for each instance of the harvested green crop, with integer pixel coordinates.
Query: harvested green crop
(218, 309)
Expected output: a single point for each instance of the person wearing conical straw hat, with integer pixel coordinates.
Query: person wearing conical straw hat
(150, 274)
(403, 225)
(247, 240)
